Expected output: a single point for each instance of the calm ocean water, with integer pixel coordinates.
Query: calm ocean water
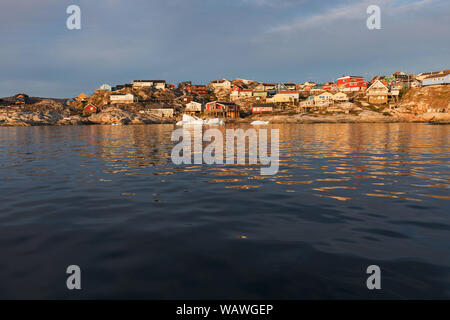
(109, 199)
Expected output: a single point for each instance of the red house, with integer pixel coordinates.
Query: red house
(351, 83)
(225, 109)
(329, 86)
(198, 89)
(90, 108)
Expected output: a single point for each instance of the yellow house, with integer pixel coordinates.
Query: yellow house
(284, 97)
(223, 83)
(324, 98)
(340, 97)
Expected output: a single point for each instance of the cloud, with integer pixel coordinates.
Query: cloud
(199, 40)
(354, 11)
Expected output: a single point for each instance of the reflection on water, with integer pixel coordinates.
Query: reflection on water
(109, 199)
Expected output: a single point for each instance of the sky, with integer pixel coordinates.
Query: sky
(204, 40)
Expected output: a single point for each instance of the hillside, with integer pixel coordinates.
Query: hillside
(426, 99)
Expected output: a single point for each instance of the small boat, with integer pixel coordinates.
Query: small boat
(259, 123)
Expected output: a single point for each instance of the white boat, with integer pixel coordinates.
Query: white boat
(259, 123)
(193, 120)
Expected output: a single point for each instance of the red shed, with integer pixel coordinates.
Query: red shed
(225, 109)
(90, 108)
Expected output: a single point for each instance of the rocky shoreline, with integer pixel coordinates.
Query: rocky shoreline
(51, 112)
(116, 116)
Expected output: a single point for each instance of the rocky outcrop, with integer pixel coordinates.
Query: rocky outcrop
(49, 113)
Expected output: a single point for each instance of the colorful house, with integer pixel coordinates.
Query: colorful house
(340, 97)
(377, 93)
(90, 109)
(223, 83)
(259, 93)
(222, 109)
(290, 86)
(351, 83)
(193, 107)
(330, 86)
(323, 99)
(266, 87)
(284, 97)
(437, 79)
(197, 89)
(122, 98)
(155, 84)
(308, 103)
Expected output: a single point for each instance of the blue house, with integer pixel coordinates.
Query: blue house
(443, 78)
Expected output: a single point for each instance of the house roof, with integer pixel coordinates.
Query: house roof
(343, 77)
(437, 75)
(225, 103)
(377, 82)
(154, 81)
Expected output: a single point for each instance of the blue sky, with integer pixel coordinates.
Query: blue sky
(203, 40)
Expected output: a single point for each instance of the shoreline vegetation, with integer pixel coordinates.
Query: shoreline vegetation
(430, 104)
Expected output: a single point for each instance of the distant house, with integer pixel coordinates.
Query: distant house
(330, 86)
(223, 83)
(351, 83)
(165, 112)
(105, 87)
(237, 92)
(323, 99)
(90, 109)
(340, 97)
(317, 88)
(285, 97)
(21, 98)
(197, 89)
(263, 108)
(259, 93)
(436, 79)
(377, 93)
(308, 103)
(193, 107)
(154, 84)
(122, 98)
(222, 109)
(290, 86)
(82, 97)
(266, 86)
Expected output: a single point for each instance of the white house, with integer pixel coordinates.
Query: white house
(156, 84)
(122, 98)
(193, 107)
(323, 99)
(340, 97)
(223, 83)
